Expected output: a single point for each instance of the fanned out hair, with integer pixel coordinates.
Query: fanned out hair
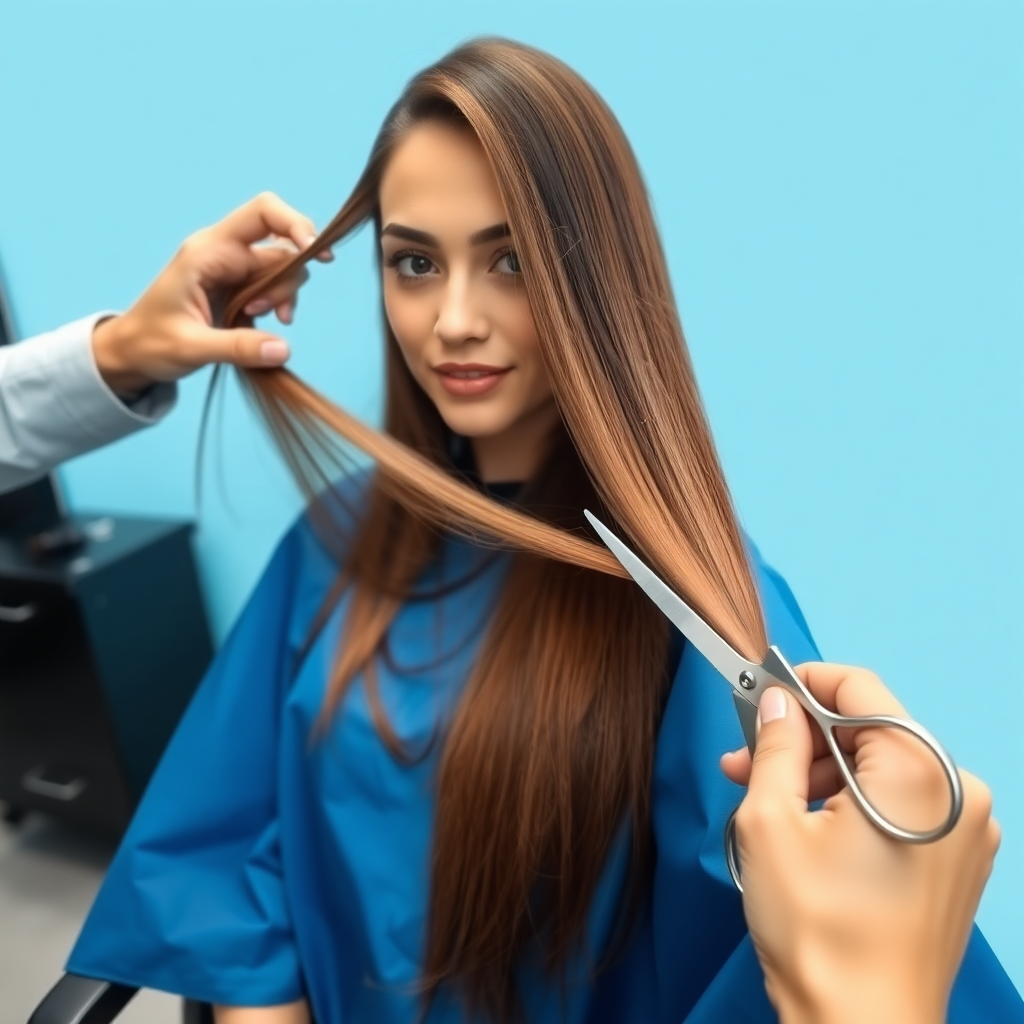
(550, 750)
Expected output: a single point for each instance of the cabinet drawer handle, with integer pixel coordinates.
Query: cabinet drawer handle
(34, 782)
(22, 613)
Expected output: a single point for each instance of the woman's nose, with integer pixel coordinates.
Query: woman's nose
(461, 317)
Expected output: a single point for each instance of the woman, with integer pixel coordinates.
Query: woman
(449, 762)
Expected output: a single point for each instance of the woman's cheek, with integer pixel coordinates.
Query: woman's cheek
(517, 314)
(405, 324)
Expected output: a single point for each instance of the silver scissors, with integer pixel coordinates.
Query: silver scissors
(749, 680)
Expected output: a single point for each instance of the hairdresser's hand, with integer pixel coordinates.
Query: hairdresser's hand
(849, 924)
(171, 330)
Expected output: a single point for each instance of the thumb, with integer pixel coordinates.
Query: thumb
(784, 750)
(239, 346)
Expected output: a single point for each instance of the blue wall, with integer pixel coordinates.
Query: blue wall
(839, 189)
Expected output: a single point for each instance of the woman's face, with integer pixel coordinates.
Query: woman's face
(456, 302)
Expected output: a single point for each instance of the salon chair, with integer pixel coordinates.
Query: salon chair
(78, 1000)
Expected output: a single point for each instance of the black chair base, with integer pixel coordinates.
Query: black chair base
(77, 1000)
(196, 1013)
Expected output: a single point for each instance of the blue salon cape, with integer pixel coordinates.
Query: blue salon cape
(262, 867)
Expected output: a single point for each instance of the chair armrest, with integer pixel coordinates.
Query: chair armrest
(78, 1000)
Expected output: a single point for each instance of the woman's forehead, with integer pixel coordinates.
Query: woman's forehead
(438, 180)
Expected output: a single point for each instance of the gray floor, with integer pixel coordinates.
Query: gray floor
(48, 877)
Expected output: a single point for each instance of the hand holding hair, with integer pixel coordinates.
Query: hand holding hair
(172, 329)
(850, 925)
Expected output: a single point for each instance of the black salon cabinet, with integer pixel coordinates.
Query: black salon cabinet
(101, 649)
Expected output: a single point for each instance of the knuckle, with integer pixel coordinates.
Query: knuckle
(867, 676)
(874, 692)
(994, 836)
(984, 801)
(977, 814)
(874, 679)
(745, 819)
(758, 816)
(192, 245)
(977, 796)
(268, 200)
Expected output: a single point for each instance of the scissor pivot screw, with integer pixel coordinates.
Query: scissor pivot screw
(747, 680)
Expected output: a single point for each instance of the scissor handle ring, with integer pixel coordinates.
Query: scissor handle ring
(890, 828)
(732, 858)
(828, 721)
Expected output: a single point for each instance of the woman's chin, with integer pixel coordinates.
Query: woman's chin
(478, 424)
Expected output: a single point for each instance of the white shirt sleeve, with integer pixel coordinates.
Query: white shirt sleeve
(54, 404)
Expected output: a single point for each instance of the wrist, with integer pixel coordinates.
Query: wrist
(856, 1000)
(111, 347)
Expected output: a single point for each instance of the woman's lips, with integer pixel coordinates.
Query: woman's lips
(467, 380)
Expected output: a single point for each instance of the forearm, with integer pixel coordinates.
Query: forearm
(54, 404)
(292, 1013)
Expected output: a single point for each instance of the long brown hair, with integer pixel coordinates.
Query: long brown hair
(551, 748)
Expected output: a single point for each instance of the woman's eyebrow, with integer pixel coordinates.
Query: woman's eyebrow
(491, 234)
(410, 235)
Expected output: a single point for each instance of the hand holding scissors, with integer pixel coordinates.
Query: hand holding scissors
(848, 925)
(750, 680)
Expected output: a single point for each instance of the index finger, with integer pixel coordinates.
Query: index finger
(265, 215)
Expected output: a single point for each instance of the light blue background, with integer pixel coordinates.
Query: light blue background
(839, 188)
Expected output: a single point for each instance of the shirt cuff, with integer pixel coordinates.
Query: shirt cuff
(87, 396)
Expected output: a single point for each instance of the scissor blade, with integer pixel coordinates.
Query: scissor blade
(679, 613)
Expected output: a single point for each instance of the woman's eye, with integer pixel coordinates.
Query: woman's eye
(413, 265)
(508, 264)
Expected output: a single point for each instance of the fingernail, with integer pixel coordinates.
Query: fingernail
(273, 353)
(310, 240)
(772, 706)
(258, 306)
